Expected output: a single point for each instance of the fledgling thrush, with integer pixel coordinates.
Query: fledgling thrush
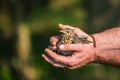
(69, 37)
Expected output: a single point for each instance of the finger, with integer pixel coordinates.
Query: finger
(72, 47)
(54, 39)
(52, 47)
(79, 32)
(58, 58)
(48, 59)
(61, 26)
(73, 67)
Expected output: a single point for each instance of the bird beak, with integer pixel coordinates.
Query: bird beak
(62, 31)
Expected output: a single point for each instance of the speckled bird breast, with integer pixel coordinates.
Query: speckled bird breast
(66, 39)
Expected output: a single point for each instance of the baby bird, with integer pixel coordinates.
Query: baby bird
(69, 37)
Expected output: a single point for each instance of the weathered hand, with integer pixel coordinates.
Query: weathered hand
(82, 53)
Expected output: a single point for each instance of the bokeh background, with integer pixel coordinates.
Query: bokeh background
(25, 29)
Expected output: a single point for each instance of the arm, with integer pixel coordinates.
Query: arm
(108, 47)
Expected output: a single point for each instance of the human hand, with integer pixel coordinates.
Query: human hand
(82, 53)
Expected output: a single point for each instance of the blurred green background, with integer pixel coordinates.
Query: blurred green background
(27, 25)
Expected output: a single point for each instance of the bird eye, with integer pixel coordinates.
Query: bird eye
(67, 31)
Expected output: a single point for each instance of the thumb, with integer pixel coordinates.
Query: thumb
(71, 47)
(61, 26)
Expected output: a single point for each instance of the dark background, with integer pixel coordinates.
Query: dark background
(27, 25)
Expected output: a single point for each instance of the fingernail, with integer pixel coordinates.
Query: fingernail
(45, 50)
(42, 55)
(60, 24)
(61, 46)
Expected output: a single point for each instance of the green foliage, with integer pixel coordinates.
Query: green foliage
(5, 71)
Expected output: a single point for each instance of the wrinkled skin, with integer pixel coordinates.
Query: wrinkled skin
(82, 53)
(106, 50)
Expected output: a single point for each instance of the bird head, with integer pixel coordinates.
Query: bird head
(67, 32)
